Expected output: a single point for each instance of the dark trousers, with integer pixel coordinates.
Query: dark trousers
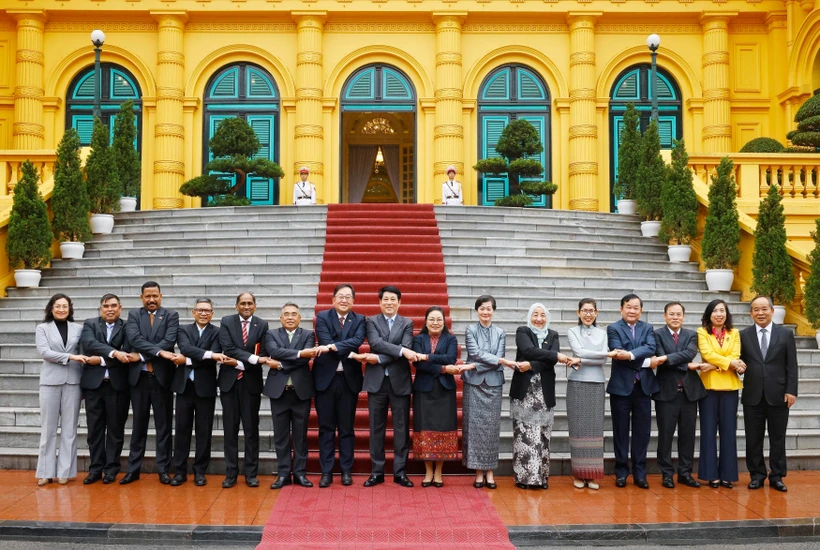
(683, 414)
(718, 414)
(192, 411)
(107, 411)
(377, 404)
(637, 408)
(240, 404)
(756, 419)
(146, 395)
(290, 419)
(336, 408)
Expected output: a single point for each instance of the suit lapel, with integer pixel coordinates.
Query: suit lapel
(159, 318)
(775, 336)
(348, 321)
(382, 322)
(54, 336)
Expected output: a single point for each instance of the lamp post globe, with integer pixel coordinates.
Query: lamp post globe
(653, 41)
(97, 38)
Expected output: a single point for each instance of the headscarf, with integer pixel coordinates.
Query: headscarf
(540, 334)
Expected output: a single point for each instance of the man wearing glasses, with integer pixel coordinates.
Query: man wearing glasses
(338, 380)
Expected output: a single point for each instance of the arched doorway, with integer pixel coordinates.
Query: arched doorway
(632, 86)
(512, 92)
(247, 91)
(378, 126)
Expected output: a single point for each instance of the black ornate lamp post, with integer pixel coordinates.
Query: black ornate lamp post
(97, 38)
(654, 41)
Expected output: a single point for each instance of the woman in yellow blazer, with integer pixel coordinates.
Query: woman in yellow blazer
(719, 345)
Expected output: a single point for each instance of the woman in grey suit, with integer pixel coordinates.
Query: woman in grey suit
(58, 339)
(483, 378)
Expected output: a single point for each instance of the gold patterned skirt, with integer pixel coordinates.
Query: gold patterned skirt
(435, 424)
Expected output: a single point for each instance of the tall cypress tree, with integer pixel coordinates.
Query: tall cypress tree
(29, 238)
(651, 175)
(126, 156)
(812, 290)
(721, 236)
(771, 265)
(69, 201)
(679, 201)
(629, 154)
(102, 180)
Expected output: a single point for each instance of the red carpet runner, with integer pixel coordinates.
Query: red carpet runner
(455, 517)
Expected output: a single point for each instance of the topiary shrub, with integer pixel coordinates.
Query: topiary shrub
(721, 235)
(812, 289)
(28, 243)
(125, 154)
(807, 118)
(651, 175)
(519, 200)
(771, 265)
(629, 155)
(69, 200)
(101, 173)
(763, 145)
(678, 199)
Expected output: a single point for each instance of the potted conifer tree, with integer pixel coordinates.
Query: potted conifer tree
(721, 235)
(680, 206)
(126, 156)
(812, 289)
(69, 200)
(629, 154)
(102, 181)
(772, 273)
(28, 243)
(649, 185)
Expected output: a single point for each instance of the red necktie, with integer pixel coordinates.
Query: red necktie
(675, 337)
(342, 321)
(244, 343)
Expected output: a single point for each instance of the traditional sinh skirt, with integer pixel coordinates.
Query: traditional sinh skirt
(435, 424)
(532, 429)
(481, 426)
(585, 412)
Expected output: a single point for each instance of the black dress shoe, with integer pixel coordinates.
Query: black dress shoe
(130, 477)
(689, 481)
(199, 480)
(164, 478)
(668, 483)
(252, 481)
(545, 485)
(620, 482)
(178, 480)
(521, 486)
(347, 479)
(642, 483)
(480, 484)
(756, 484)
(778, 486)
(228, 482)
(281, 482)
(302, 480)
(438, 484)
(404, 481)
(109, 479)
(726, 484)
(326, 480)
(92, 478)
(374, 479)
(490, 485)
(425, 483)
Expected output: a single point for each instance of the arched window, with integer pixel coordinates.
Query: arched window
(511, 92)
(118, 86)
(248, 91)
(632, 86)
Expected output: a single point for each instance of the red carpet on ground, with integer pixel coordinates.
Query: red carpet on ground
(455, 517)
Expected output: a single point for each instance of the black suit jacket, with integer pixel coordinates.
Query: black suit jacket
(193, 346)
(387, 345)
(149, 341)
(93, 341)
(446, 353)
(329, 331)
(772, 376)
(622, 377)
(230, 338)
(677, 365)
(297, 368)
(542, 361)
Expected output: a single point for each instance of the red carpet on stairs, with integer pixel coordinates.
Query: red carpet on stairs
(455, 517)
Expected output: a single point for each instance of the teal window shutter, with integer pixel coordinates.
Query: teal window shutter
(363, 86)
(121, 86)
(84, 124)
(227, 85)
(259, 85)
(394, 85)
(528, 86)
(498, 87)
(85, 87)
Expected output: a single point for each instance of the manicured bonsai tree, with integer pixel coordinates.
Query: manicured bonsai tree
(124, 151)
(763, 145)
(518, 140)
(807, 118)
(651, 175)
(233, 146)
(812, 289)
(29, 239)
(771, 265)
(629, 155)
(69, 200)
(678, 199)
(101, 173)
(721, 235)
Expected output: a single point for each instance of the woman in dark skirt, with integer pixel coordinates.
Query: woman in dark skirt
(435, 421)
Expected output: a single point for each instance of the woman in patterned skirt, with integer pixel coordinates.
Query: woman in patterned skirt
(435, 419)
(585, 396)
(532, 398)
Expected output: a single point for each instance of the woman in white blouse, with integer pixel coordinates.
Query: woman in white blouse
(451, 189)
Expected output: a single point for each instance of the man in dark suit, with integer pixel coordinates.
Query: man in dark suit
(290, 388)
(631, 383)
(106, 389)
(387, 382)
(338, 381)
(240, 387)
(769, 391)
(195, 387)
(152, 332)
(680, 389)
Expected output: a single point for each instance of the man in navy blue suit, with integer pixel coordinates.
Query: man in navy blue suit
(631, 383)
(338, 381)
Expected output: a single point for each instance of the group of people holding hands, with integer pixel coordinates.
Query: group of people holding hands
(114, 364)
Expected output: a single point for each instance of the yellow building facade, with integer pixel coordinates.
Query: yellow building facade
(424, 83)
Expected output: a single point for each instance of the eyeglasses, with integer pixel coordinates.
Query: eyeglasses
(203, 311)
(344, 297)
(589, 311)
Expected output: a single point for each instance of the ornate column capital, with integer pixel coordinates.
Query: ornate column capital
(30, 17)
(170, 18)
(776, 20)
(711, 20)
(449, 19)
(583, 19)
(309, 19)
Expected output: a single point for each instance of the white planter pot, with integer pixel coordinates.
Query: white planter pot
(102, 224)
(817, 337)
(27, 278)
(627, 207)
(71, 250)
(650, 229)
(779, 315)
(128, 204)
(679, 252)
(720, 280)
